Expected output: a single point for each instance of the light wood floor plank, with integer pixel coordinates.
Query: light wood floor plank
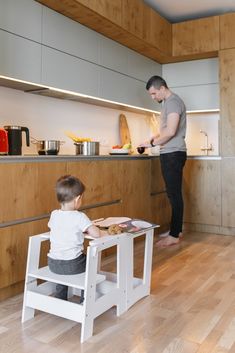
(191, 308)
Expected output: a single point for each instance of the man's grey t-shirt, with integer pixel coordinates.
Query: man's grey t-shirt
(174, 104)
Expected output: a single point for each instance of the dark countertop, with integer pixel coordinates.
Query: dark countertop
(60, 158)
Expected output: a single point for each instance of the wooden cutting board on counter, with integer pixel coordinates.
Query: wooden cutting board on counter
(154, 124)
(125, 136)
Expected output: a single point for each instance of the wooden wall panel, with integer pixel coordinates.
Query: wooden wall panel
(157, 31)
(202, 192)
(227, 101)
(227, 30)
(133, 16)
(111, 9)
(196, 36)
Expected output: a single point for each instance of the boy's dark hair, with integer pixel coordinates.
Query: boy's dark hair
(68, 187)
(156, 82)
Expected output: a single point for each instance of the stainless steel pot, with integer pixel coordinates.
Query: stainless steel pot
(78, 147)
(91, 148)
(47, 147)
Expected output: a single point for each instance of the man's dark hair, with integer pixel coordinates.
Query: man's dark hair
(68, 187)
(156, 82)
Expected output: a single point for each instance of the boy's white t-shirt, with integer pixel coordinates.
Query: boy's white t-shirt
(66, 234)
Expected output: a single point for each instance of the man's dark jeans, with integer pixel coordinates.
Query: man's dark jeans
(172, 165)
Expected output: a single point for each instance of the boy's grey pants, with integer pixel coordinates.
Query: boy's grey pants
(67, 267)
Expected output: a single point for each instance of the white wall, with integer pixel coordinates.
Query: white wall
(49, 118)
(208, 122)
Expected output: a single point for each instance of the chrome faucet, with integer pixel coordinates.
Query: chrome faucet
(207, 147)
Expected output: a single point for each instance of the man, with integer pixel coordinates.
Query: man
(171, 139)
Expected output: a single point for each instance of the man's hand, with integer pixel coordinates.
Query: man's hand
(145, 144)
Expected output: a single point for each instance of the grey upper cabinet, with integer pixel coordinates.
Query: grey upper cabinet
(41, 46)
(60, 70)
(113, 55)
(96, 65)
(124, 60)
(20, 58)
(22, 17)
(138, 96)
(62, 33)
(141, 67)
(202, 97)
(124, 89)
(113, 86)
(196, 82)
(189, 73)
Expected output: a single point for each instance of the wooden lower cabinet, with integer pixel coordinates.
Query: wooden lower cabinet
(160, 206)
(228, 192)
(117, 187)
(122, 181)
(161, 211)
(13, 255)
(102, 180)
(136, 189)
(157, 182)
(202, 192)
(28, 189)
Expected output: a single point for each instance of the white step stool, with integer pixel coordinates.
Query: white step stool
(100, 294)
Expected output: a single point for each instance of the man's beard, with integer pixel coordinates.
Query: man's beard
(160, 101)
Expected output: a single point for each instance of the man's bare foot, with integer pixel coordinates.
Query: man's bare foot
(167, 241)
(166, 234)
(163, 235)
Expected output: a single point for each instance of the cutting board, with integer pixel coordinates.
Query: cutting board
(125, 136)
(154, 125)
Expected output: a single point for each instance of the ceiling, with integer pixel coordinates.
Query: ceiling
(182, 10)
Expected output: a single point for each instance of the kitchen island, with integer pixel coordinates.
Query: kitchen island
(129, 185)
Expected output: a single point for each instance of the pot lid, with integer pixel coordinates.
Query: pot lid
(12, 127)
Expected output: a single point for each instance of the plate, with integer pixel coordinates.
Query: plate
(119, 151)
(141, 224)
(111, 220)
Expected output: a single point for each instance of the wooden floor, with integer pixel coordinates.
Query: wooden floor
(191, 309)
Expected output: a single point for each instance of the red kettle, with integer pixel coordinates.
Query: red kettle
(3, 142)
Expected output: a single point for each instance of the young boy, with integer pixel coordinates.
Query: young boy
(67, 226)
